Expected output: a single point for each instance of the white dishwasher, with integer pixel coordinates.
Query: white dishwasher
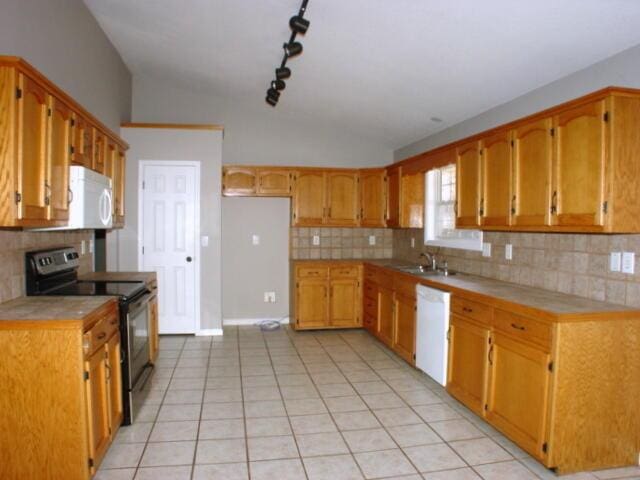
(431, 333)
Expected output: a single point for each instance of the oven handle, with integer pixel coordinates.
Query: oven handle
(141, 303)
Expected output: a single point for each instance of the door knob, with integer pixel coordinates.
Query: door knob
(189, 259)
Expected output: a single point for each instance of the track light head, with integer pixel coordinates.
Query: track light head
(272, 92)
(271, 101)
(299, 24)
(292, 49)
(282, 73)
(278, 84)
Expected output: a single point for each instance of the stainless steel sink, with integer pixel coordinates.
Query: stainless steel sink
(418, 271)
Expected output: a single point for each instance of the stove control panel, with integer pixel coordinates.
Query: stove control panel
(47, 262)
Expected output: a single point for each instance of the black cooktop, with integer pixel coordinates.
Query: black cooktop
(124, 290)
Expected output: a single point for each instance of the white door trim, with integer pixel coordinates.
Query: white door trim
(173, 163)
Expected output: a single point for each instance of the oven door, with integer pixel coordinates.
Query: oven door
(138, 337)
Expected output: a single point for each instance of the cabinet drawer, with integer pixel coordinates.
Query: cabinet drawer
(312, 272)
(370, 290)
(470, 309)
(345, 271)
(404, 286)
(370, 274)
(370, 306)
(524, 328)
(100, 333)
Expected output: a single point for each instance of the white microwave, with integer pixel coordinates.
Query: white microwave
(90, 200)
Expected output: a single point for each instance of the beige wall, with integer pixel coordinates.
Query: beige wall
(575, 264)
(202, 146)
(64, 41)
(16, 243)
(250, 270)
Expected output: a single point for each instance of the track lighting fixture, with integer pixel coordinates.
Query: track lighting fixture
(299, 26)
(282, 73)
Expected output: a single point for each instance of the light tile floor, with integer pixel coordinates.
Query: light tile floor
(327, 405)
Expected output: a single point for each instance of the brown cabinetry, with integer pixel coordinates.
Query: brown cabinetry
(496, 199)
(341, 199)
(274, 182)
(243, 181)
(373, 197)
(404, 328)
(412, 200)
(154, 332)
(309, 204)
(468, 185)
(393, 197)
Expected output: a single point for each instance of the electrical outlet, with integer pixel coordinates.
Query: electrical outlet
(83, 247)
(270, 297)
(486, 249)
(508, 251)
(91, 245)
(413, 242)
(615, 261)
(315, 240)
(628, 262)
(255, 239)
(372, 239)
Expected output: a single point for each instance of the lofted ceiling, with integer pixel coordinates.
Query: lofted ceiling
(380, 68)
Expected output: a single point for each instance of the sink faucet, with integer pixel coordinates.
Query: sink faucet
(431, 259)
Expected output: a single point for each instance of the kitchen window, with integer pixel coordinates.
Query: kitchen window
(440, 217)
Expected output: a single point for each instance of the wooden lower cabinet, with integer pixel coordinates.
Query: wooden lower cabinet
(386, 314)
(404, 328)
(154, 330)
(518, 392)
(64, 407)
(327, 295)
(467, 366)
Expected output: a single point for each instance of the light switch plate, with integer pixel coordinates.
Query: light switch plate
(315, 240)
(372, 239)
(413, 242)
(628, 262)
(486, 249)
(508, 251)
(270, 297)
(204, 241)
(615, 261)
(255, 239)
(83, 247)
(91, 246)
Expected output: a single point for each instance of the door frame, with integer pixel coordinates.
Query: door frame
(198, 249)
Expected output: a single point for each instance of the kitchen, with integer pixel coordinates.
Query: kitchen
(327, 224)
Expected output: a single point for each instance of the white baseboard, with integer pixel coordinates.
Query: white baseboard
(208, 332)
(252, 321)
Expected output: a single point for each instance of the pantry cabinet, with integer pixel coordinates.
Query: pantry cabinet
(373, 201)
(468, 207)
(42, 132)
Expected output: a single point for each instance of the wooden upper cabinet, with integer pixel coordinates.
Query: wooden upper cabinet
(83, 142)
(496, 199)
(373, 193)
(393, 197)
(468, 185)
(532, 157)
(412, 200)
(34, 193)
(309, 198)
(579, 166)
(342, 206)
(239, 181)
(274, 182)
(59, 159)
(119, 185)
(100, 152)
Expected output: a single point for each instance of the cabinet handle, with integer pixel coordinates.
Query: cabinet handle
(513, 205)
(102, 335)
(47, 194)
(108, 371)
(481, 211)
(69, 195)
(449, 334)
(554, 202)
(466, 309)
(491, 355)
(518, 327)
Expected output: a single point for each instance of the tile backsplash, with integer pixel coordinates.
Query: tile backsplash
(338, 243)
(568, 263)
(16, 243)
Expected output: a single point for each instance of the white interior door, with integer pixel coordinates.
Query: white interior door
(169, 195)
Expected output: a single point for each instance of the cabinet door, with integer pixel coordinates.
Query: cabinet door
(344, 301)
(238, 181)
(309, 198)
(496, 198)
(393, 197)
(114, 377)
(372, 198)
(579, 166)
(404, 331)
(100, 152)
(32, 152)
(467, 368)
(311, 303)
(518, 394)
(59, 160)
(83, 143)
(342, 199)
(97, 393)
(119, 186)
(532, 173)
(468, 185)
(274, 183)
(385, 315)
(154, 338)
(412, 201)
